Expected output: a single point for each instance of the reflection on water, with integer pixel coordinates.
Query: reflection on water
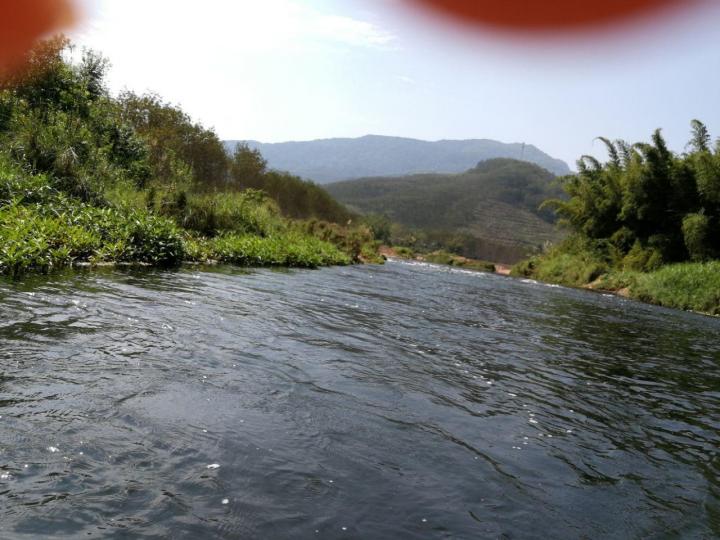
(404, 401)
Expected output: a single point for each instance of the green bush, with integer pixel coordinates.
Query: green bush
(22, 188)
(281, 250)
(642, 259)
(440, 257)
(696, 230)
(356, 241)
(63, 231)
(248, 212)
(31, 241)
(404, 252)
(575, 262)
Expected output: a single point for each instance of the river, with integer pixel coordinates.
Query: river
(396, 401)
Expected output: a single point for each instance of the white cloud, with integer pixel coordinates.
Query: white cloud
(246, 27)
(348, 30)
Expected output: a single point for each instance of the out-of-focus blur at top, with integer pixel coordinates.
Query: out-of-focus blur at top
(24, 22)
(539, 17)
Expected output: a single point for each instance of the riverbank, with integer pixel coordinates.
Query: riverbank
(90, 178)
(444, 258)
(42, 229)
(687, 286)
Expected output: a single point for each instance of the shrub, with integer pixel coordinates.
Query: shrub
(642, 259)
(246, 212)
(697, 235)
(282, 250)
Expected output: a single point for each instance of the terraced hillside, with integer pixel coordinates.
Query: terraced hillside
(495, 203)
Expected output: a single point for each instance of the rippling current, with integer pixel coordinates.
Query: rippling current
(396, 401)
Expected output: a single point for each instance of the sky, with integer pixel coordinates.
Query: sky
(278, 70)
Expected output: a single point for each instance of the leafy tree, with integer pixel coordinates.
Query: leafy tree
(647, 205)
(247, 166)
(176, 144)
(58, 118)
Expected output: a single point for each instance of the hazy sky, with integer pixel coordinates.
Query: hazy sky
(276, 70)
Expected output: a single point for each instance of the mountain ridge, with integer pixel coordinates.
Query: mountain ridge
(345, 158)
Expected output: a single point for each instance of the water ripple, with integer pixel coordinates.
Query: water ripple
(403, 401)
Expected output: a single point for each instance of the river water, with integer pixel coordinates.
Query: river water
(395, 401)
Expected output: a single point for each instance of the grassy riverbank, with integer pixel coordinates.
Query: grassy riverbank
(42, 229)
(644, 224)
(91, 178)
(688, 286)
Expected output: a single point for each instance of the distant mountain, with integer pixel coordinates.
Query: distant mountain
(495, 203)
(330, 160)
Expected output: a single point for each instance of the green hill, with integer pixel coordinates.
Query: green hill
(490, 210)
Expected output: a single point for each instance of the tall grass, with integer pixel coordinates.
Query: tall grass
(689, 286)
(571, 266)
(281, 250)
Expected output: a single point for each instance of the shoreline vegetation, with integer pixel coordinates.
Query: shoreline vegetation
(442, 257)
(88, 179)
(645, 225)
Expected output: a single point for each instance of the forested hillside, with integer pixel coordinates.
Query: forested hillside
(331, 160)
(94, 178)
(489, 212)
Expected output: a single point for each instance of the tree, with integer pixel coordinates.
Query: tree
(247, 166)
(646, 202)
(175, 142)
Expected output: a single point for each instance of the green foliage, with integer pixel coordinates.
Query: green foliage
(179, 149)
(642, 259)
(647, 198)
(380, 225)
(491, 211)
(697, 232)
(59, 120)
(689, 286)
(405, 252)
(440, 257)
(357, 241)
(247, 212)
(571, 268)
(281, 250)
(61, 232)
(88, 178)
(247, 166)
(635, 216)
